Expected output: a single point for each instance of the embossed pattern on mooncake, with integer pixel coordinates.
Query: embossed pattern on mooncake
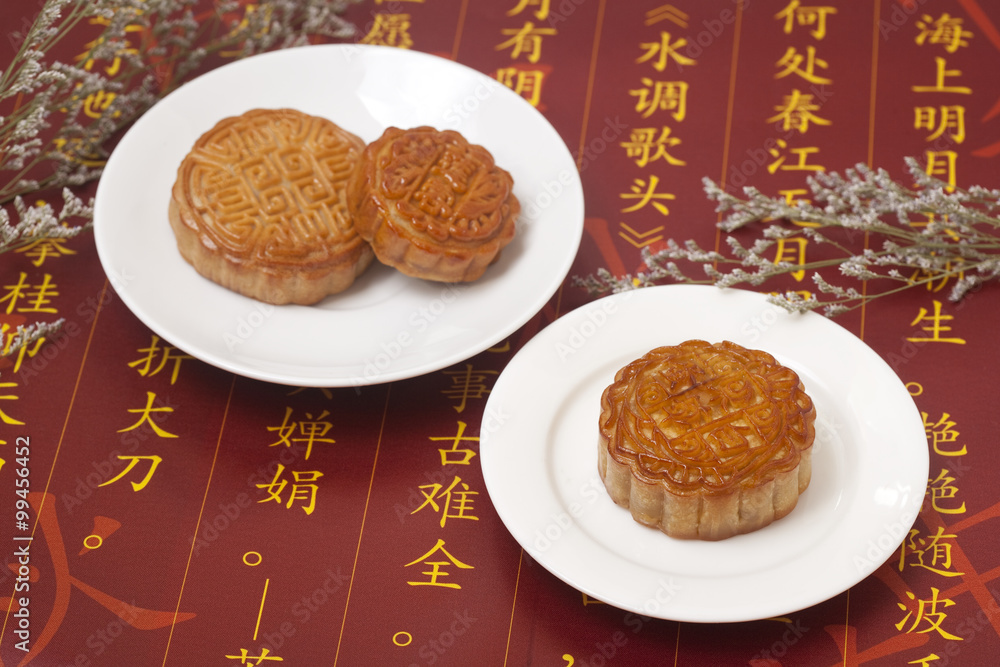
(695, 428)
(433, 205)
(264, 195)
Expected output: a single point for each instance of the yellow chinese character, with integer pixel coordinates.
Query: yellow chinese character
(115, 66)
(26, 351)
(943, 432)
(132, 462)
(644, 192)
(248, 13)
(793, 62)
(803, 164)
(167, 353)
(526, 82)
(937, 280)
(792, 198)
(796, 112)
(942, 30)
(935, 327)
(792, 250)
(302, 490)
(927, 611)
(659, 53)
(804, 294)
(390, 30)
(78, 151)
(4, 417)
(645, 146)
(941, 164)
(794, 13)
(941, 488)
(265, 654)
(436, 572)
(43, 249)
(310, 430)
(925, 662)
(525, 40)
(467, 384)
(146, 417)
(929, 553)
(456, 500)
(541, 8)
(38, 297)
(939, 81)
(463, 455)
(951, 119)
(661, 95)
(97, 103)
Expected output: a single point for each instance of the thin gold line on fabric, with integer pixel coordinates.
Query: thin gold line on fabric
(591, 78)
(201, 512)
(677, 645)
(72, 402)
(872, 96)
(462, 11)
(364, 518)
(847, 608)
(513, 606)
(587, 102)
(730, 104)
(260, 611)
(588, 99)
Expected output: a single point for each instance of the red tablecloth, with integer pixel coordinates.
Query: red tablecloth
(168, 498)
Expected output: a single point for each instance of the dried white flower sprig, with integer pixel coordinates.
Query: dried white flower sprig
(60, 117)
(890, 236)
(36, 223)
(57, 120)
(25, 335)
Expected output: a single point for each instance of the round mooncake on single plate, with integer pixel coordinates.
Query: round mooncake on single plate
(433, 205)
(706, 441)
(259, 206)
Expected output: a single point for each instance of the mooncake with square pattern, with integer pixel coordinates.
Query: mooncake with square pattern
(260, 207)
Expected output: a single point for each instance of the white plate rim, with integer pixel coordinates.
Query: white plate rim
(560, 514)
(474, 317)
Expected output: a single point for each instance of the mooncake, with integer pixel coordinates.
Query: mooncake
(433, 205)
(259, 206)
(706, 440)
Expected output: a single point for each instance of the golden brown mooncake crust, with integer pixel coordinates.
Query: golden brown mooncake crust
(706, 440)
(260, 206)
(432, 205)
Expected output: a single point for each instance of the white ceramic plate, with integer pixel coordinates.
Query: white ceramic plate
(386, 326)
(539, 458)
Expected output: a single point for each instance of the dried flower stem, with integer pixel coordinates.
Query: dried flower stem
(930, 234)
(64, 115)
(24, 336)
(57, 120)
